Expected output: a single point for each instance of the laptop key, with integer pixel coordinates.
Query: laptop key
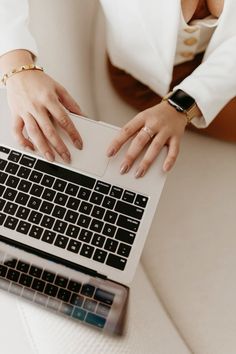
(36, 190)
(48, 236)
(51, 290)
(96, 198)
(87, 251)
(60, 226)
(85, 208)
(141, 201)
(110, 216)
(111, 245)
(88, 290)
(22, 198)
(96, 225)
(71, 216)
(98, 212)
(35, 176)
(102, 187)
(108, 202)
(46, 207)
(38, 285)
(100, 256)
(64, 295)
(48, 194)
(12, 181)
(128, 223)
(84, 220)
(35, 271)
(14, 156)
(59, 185)
(61, 199)
(27, 161)
(11, 223)
(25, 280)
(73, 203)
(2, 218)
(116, 261)
(109, 230)
(10, 194)
(23, 172)
(59, 212)
(24, 186)
(129, 210)
(3, 164)
(61, 281)
(61, 241)
(34, 203)
(98, 240)
(85, 235)
(13, 275)
(47, 181)
(23, 227)
(4, 149)
(84, 193)
(22, 266)
(36, 232)
(10, 262)
(79, 314)
(77, 300)
(104, 296)
(35, 217)
(74, 246)
(48, 276)
(95, 320)
(22, 212)
(72, 189)
(10, 208)
(74, 286)
(3, 177)
(103, 310)
(2, 203)
(128, 196)
(72, 231)
(90, 305)
(125, 236)
(12, 168)
(47, 221)
(3, 270)
(124, 250)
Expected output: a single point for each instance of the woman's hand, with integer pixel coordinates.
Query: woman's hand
(167, 127)
(35, 101)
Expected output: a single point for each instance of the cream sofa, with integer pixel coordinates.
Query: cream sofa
(183, 297)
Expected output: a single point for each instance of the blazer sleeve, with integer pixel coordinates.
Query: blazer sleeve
(213, 83)
(14, 31)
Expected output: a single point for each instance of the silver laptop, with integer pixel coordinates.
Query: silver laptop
(71, 236)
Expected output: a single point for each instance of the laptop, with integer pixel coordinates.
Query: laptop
(71, 235)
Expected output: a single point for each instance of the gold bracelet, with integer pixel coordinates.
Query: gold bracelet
(18, 70)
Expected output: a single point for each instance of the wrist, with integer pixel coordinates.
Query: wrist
(15, 58)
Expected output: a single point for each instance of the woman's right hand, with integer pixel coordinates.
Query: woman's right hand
(37, 102)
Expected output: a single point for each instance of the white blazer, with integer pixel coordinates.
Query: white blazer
(141, 39)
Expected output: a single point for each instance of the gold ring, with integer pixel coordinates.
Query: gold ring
(148, 131)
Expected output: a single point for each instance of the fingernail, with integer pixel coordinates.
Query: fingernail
(49, 156)
(66, 157)
(140, 172)
(110, 152)
(166, 167)
(124, 168)
(78, 144)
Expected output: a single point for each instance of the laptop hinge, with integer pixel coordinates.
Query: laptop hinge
(52, 257)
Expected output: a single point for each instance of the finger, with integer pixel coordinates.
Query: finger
(58, 112)
(52, 136)
(136, 147)
(18, 132)
(125, 134)
(67, 100)
(172, 154)
(152, 152)
(37, 137)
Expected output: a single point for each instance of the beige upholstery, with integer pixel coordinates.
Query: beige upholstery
(183, 295)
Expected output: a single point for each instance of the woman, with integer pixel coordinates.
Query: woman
(151, 41)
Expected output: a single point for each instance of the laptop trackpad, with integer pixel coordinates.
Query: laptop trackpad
(96, 137)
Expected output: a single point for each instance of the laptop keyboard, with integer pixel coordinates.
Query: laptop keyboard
(68, 209)
(80, 301)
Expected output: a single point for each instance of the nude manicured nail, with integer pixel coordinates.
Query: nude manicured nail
(78, 144)
(66, 157)
(124, 169)
(166, 167)
(49, 156)
(139, 173)
(111, 152)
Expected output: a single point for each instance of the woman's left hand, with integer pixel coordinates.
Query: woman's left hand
(151, 129)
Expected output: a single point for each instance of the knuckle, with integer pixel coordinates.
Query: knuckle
(46, 96)
(141, 139)
(127, 130)
(32, 129)
(64, 121)
(49, 131)
(146, 163)
(157, 145)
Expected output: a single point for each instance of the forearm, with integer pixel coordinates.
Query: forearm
(15, 58)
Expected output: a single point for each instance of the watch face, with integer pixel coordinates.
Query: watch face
(181, 99)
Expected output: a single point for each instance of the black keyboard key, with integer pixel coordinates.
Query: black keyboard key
(51, 290)
(59, 185)
(84, 220)
(104, 296)
(61, 199)
(22, 266)
(71, 216)
(12, 168)
(65, 174)
(24, 186)
(3, 177)
(23, 227)
(46, 207)
(124, 250)
(22, 212)
(73, 203)
(35, 271)
(116, 261)
(85, 208)
(85, 235)
(98, 212)
(61, 281)
(48, 236)
(96, 225)
(100, 256)
(128, 196)
(74, 246)
(141, 201)
(98, 240)
(64, 295)
(84, 193)
(36, 231)
(11, 262)
(129, 210)
(4, 149)
(116, 192)
(109, 230)
(35, 176)
(25, 280)
(27, 161)
(60, 226)
(95, 320)
(111, 245)
(72, 231)
(10, 194)
(103, 310)
(128, 223)
(11, 223)
(3, 271)
(90, 305)
(77, 300)
(61, 241)
(48, 194)
(47, 221)
(2, 218)
(108, 202)
(36, 190)
(10, 208)
(96, 198)
(74, 286)
(48, 276)
(34, 203)
(125, 236)
(87, 290)
(102, 187)
(3, 164)
(35, 217)
(110, 216)
(79, 314)
(72, 189)
(47, 181)
(14, 156)
(23, 172)
(22, 198)
(12, 181)
(13, 275)
(87, 251)
(38, 285)
(2, 203)
(59, 212)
